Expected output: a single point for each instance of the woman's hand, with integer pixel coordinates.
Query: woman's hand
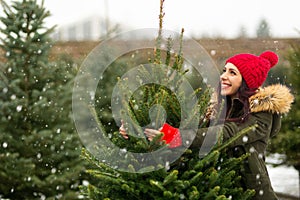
(122, 130)
(171, 135)
(152, 133)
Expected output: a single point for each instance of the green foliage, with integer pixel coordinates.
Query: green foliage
(109, 78)
(213, 177)
(288, 141)
(39, 151)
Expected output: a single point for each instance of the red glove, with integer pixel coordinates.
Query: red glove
(171, 136)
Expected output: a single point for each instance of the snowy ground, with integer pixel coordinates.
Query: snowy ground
(284, 179)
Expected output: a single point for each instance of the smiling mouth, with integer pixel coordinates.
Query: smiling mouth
(225, 85)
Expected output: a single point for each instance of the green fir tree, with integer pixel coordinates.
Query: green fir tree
(39, 152)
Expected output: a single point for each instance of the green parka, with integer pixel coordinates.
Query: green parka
(266, 106)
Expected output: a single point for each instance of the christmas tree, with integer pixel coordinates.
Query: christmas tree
(39, 151)
(149, 96)
(287, 142)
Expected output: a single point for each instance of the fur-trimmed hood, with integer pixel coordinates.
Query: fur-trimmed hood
(274, 98)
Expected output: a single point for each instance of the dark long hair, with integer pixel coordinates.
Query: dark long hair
(243, 95)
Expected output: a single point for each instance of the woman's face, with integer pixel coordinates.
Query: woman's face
(231, 80)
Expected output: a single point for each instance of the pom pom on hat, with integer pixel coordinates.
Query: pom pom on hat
(271, 57)
(254, 69)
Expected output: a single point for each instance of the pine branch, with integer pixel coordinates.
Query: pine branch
(234, 138)
(157, 50)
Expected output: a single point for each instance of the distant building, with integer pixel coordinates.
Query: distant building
(89, 29)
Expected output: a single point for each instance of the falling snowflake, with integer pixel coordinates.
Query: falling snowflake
(19, 108)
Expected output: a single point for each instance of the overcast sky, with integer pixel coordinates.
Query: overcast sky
(210, 17)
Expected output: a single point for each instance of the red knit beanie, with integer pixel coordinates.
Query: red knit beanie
(254, 69)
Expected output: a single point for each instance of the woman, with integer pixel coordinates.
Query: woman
(248, 105)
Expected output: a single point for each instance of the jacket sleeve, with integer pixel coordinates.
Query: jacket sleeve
(263, 120)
